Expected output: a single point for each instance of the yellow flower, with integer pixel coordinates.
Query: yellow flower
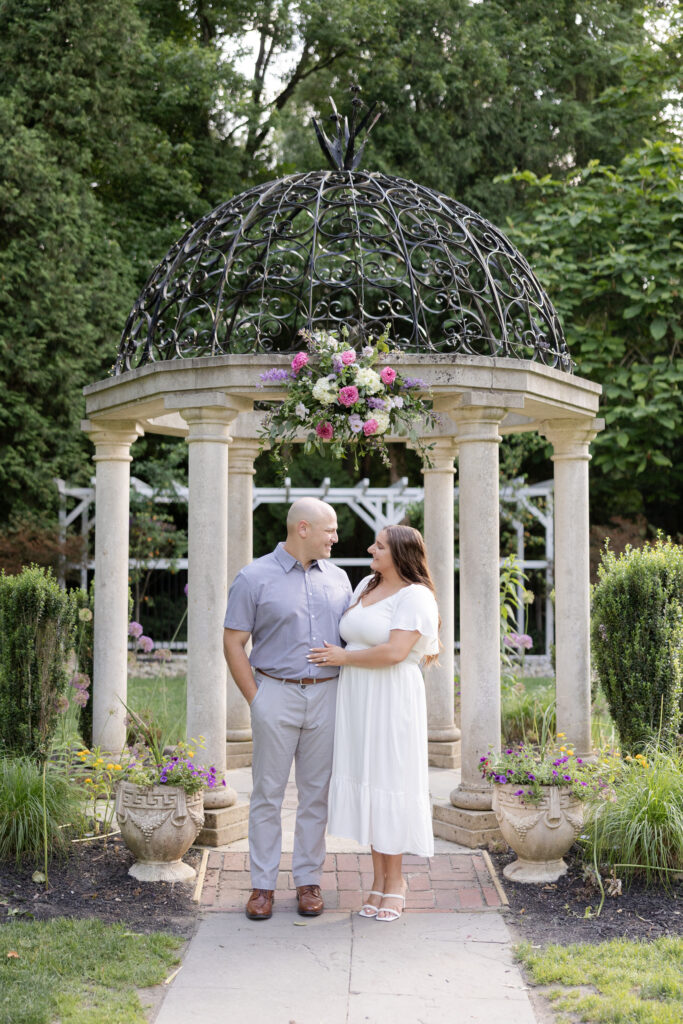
(110, 767)
(570, 753)
(190, 753)
(89, 781)
(99, 761)
(563, 749)
(561, 734)
(628, 758)
(117, 767)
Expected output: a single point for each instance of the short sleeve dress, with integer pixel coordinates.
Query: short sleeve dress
(379, 792)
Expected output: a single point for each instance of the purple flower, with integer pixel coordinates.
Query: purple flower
(376, 403)
(519, 792)
(275, 376)
(518, 640)
(62, 704)
(81, 697)
(80, 681)
(414, 382)
(337, 363)
(567, 777)
(185, 589)
(134, 629)
(355, 422)
(146, 644)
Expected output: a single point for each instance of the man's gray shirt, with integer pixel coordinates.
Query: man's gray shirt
(288, 610)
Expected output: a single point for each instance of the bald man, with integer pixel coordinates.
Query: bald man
(287, 602)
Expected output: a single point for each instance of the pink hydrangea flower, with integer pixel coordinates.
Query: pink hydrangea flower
(388, 376)
(370, 427)
(348, 356)
(324, 430)
(348, 395)
(299, 360)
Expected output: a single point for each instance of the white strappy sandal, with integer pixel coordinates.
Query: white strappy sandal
(391, 912)
(369, 909)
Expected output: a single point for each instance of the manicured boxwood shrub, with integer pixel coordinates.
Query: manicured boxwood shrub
(637, 636)
(37, 622)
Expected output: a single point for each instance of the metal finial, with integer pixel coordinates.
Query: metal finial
(340, 150)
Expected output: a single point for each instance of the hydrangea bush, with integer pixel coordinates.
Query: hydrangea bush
(337, 397)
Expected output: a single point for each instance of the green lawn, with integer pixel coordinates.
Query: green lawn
(165, 698)
(79, 972)
(618, 982)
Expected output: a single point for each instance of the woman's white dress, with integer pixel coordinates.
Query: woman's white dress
(379, 792)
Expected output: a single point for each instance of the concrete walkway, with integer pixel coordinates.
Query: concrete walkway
(447, 960)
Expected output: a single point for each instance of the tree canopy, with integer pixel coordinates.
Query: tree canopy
(123, 122)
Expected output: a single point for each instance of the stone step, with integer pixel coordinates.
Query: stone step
(469, 828)
(224, 825)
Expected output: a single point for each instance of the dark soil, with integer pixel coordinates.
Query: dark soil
(94, 882)
(565, 912)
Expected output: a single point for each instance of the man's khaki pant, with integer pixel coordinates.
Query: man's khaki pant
(289, 723)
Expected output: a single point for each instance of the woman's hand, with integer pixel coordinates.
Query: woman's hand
(327, 655)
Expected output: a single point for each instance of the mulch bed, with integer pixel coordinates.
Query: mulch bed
(94, 882)
(564, 912)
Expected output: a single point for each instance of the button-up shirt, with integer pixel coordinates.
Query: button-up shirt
(288, 609)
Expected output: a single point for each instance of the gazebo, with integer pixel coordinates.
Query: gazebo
(320, 250)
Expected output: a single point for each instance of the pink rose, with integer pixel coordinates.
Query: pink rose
(299, 360)
(370, 427)
(324, 430)
(348, 356)
(348, 395)
(388, 376)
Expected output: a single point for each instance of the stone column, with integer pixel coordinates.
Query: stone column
(443, 735)
(571, 440)
(243, 452)
(472, 822)
(112, 459)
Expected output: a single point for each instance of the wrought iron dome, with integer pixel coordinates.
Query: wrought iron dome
(342, 246)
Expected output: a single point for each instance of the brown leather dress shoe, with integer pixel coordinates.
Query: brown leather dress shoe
(310, 900)
(260, 905)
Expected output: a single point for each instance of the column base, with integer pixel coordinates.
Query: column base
(467, 827)
(220, 796)
(471, 799)
(443, 754)
(238, 735)
(238, 754)
(449, 735)
(224, 825)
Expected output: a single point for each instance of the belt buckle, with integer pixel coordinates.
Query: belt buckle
(302, 684)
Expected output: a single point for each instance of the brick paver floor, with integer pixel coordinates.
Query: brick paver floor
(444, 883)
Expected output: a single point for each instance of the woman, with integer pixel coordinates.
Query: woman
(379, 793)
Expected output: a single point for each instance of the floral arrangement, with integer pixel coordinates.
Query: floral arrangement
(531, 768)
(141, 767)
(335, 395)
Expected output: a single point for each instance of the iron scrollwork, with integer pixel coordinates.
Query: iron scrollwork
(327, 248)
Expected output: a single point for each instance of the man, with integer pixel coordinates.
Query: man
(288, 602)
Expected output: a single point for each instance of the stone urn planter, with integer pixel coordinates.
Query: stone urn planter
(540, 834)
(159, 825)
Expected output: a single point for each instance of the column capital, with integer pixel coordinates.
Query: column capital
(208, 414)
(570, 438)
(112, 438)
(477, 423)
(243, 452)
(441, 453)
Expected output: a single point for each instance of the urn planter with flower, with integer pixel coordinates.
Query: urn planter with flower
(538, 802)
(158, 825)
(160, 805)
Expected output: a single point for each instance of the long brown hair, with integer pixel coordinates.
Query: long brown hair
(409, 555)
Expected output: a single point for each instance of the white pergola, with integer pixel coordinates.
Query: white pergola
(209, 401)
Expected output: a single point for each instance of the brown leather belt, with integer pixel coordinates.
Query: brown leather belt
(303, 680)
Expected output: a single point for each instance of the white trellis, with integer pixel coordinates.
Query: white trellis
(376, 506)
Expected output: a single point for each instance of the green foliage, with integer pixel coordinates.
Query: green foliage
(84, 645)
(528, 716)
(637, 638)
(639, 832)
(80, 971)
(21, 811)
(36, 634)
(618, 982)
(607, 243)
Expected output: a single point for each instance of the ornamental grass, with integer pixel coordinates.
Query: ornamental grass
(25, 826)
(639, 831)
